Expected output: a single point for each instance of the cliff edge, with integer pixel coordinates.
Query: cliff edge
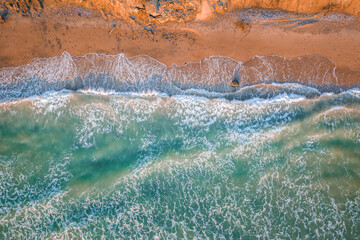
(160, 11)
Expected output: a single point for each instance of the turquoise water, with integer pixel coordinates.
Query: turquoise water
(92, 165)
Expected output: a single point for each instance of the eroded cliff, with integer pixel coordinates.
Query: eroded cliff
(160, 11)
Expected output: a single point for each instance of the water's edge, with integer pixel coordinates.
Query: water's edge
(262, 77)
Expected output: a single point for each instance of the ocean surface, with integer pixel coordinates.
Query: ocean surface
(267, 161)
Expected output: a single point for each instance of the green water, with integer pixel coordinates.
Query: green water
(147, 166)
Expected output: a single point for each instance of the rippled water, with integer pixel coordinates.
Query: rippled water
(94, 165)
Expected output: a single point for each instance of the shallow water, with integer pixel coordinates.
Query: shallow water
(93, 165)
(259, 77)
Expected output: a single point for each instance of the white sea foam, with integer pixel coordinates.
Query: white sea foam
(210, 77)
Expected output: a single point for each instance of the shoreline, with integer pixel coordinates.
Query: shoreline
(263, 77)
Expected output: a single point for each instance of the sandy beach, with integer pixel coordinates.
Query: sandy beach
(239, 34)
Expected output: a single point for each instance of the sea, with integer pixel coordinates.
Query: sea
(109, 147)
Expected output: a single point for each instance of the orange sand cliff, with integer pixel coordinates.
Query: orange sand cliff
(181, 11)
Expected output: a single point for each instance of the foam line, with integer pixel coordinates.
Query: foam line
(142, 73)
